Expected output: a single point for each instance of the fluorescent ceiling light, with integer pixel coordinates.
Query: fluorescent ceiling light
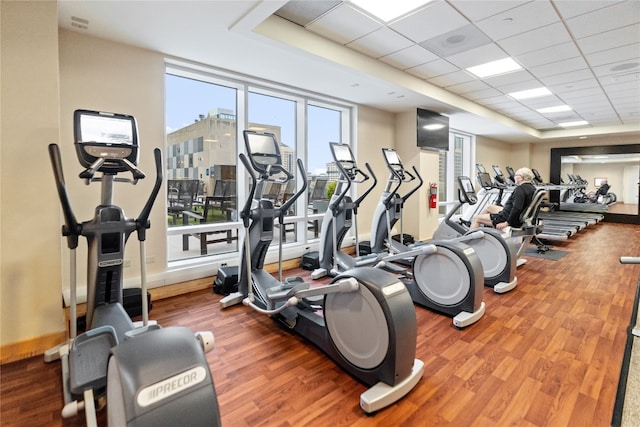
(530, 93)
(493, 68)
(557, 109)
(388, 10)
(571, 124)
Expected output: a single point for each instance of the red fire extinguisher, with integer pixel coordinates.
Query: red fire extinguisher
(433, 195)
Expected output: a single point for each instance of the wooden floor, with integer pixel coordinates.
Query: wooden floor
(546, 354)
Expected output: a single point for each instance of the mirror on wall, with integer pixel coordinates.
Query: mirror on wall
(605, 179)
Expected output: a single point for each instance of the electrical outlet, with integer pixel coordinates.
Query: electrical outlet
(127, 263)
(224, 264)
(151, 259)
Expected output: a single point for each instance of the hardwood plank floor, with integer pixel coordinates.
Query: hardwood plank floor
(546, 354)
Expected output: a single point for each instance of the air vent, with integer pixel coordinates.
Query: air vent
(79, 23)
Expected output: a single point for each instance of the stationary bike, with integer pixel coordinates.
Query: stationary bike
(150, 376)
(380, 355)
(498, 257)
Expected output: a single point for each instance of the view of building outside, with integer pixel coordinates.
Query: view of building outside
(202, 164)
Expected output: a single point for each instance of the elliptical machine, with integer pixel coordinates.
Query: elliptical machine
(341, 214)
(382, 355)
(498, 257)
(444, 278)
(148, 375)
(447, 276)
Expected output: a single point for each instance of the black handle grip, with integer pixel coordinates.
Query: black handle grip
(71, 229)
(356, 204)
(413, 190)
(246, 210)
(142, 223)
(286, 205)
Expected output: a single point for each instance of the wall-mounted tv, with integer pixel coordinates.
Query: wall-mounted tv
(432, 130)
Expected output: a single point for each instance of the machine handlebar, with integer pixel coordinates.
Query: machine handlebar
(286, 205)
(246, 209)
(368, 190)
(71, 229)
(142, 222)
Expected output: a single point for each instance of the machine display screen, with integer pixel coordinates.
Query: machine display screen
(262, 147)
(467, 185)
(342, 153)
(391, 156)
(107, 130)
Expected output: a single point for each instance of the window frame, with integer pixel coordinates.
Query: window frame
(243, 86)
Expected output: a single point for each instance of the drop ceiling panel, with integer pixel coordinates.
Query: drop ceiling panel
(575, 96)
(434, 19)
(481, 94)
(576, 88)
(629, 53)
(559, 67)
(557, 79)
(518, 20)
(433, 69)
(610, 39)
(409, 57)
(456, 41)
(477, 56)
(548, 55)
(470, 86)
(509, 79)
(344, 24)
(381, 42)
(605, 19)
(536, 39)
(475, 10)
(451, 79)
(570, 8)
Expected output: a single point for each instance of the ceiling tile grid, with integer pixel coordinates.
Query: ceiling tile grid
(586, 52)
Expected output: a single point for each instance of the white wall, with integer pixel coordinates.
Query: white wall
(375, 131)
(30, 241)
(106, 76)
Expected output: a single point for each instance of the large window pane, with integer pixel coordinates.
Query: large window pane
(200, 167)
(278, 116)
(323, 126)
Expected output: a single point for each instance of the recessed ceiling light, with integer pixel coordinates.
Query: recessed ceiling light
(572, 124)
(493, 68)
(556, 109)
(388, 10)
(530, 93)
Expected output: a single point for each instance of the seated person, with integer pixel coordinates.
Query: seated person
(509, 215)
(602, 191)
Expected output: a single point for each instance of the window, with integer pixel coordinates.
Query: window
(200, 167)
(205, 116)
(454, 163)
(324, 125)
